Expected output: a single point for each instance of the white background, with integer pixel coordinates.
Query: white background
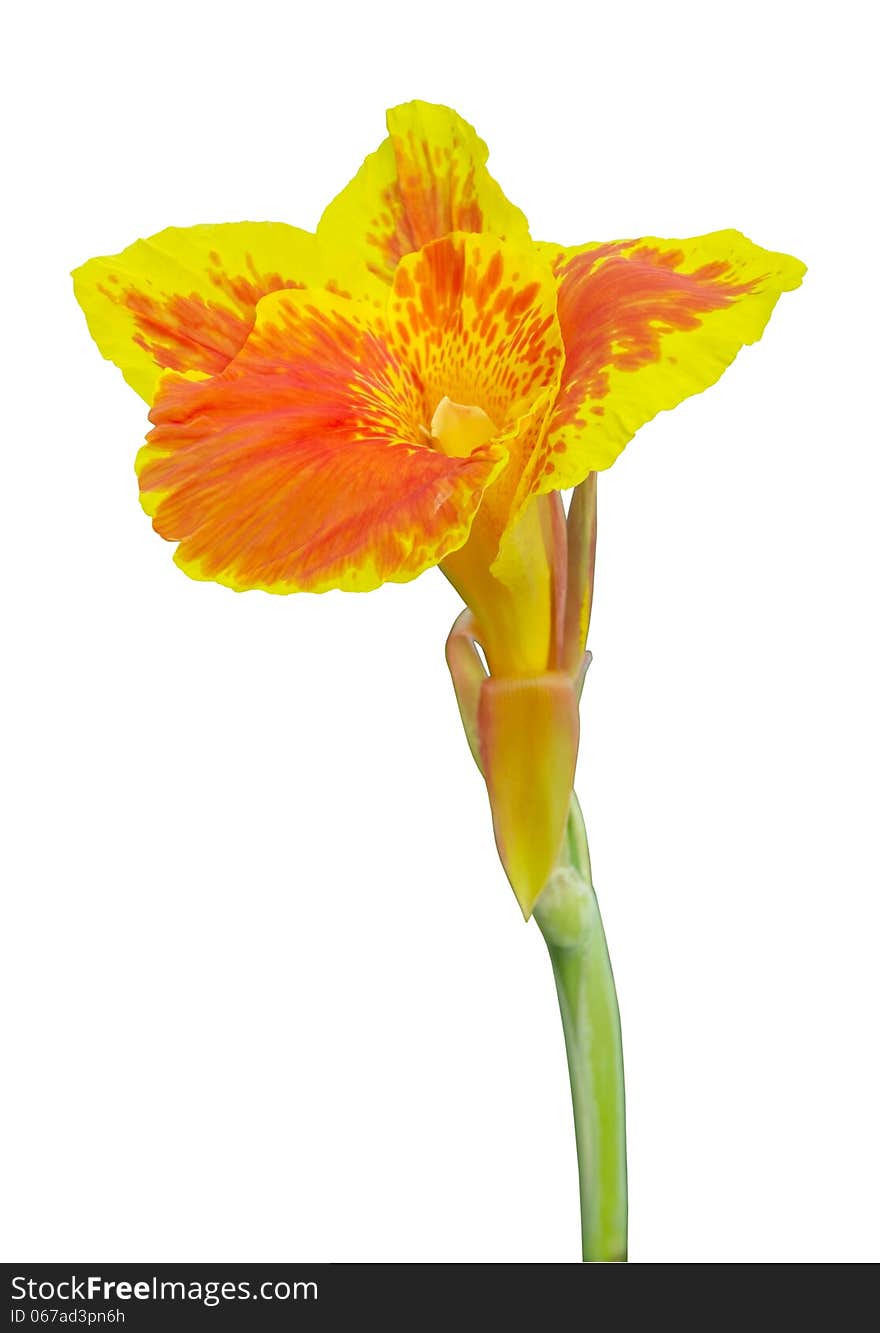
(269, 996)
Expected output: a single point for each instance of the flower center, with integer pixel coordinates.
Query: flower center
(458, 429)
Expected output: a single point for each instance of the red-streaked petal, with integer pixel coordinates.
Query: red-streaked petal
(428, 178)
(185, 299)
(301, 466)
(646, 323)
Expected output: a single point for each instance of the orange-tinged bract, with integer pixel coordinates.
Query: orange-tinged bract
(529, 733)
(412, 386)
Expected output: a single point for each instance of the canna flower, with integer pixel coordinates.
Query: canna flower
(414, 385)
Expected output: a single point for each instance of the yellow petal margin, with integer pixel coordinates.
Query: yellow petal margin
(428, 178)
(185, 298)
(646, 323)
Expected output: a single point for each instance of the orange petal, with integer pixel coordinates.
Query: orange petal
(302, 466)
(529, 732)
(646, 323)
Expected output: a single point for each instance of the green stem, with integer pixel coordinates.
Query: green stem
(568, 915)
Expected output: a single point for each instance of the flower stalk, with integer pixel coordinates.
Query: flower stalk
(568, 915)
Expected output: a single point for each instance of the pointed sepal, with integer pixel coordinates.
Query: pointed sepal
(528, 736)
(468, 675)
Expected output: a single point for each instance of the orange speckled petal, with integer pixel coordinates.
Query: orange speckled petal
(301, 466)
(428, 178)
(646, 323)
(475, 319)
(184, 300)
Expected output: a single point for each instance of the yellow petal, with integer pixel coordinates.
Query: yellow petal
(428, 178)
(646, 323)
(185, 299)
